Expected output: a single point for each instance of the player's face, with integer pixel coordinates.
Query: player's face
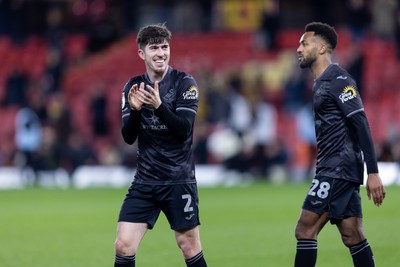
(307, 51)
(156, 57)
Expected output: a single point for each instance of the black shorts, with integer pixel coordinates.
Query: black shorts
(340, 198)
(179, 203)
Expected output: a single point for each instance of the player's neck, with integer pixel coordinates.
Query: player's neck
(156, 76)
(320, 66)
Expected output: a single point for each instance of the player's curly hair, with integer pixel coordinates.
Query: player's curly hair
(325, 31)
(153, 34)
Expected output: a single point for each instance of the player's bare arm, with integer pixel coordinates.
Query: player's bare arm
(375, 189)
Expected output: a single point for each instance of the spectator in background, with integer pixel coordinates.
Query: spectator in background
(130, 14)
(355, 64)
(276, 161)
(128, 154)
(53, 74)
(102, 29)
(55, 32)
(200, 137)
(295, 91)
(48, 154)
(269, 157)
(304, 168)
(239, 118)
(38, 99)
(217, 101)
(59, 116)
(187, 16)
(385, 152)
(206, 7)
(108, 155)
(12, 18)
(358, 18)
(260, 154)
(76, 152)
(239, 121)
(16, 87)
(28, 136)
(269, 26)
(384, 18)
(99, 107)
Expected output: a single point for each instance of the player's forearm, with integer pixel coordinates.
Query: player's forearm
(364, 136)
(181, 126)
(130, 127)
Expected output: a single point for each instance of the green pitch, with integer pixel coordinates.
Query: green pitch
(241, 226)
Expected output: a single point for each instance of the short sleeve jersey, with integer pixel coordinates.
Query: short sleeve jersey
(163, 158)
(335, 99)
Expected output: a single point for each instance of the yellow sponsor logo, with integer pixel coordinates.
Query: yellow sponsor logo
(191, 93)
(349, 92)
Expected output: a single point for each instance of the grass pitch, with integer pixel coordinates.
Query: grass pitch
(241, 226)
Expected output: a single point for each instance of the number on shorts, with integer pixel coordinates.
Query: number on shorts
(322, 192)
(187, 207)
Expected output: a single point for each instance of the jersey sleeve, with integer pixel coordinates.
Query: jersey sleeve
(188, 95)
(345, 92)
(125, 108)
(130, 118)
(361, 126)
(181, 121)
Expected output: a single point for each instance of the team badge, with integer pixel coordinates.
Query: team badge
(349, 92)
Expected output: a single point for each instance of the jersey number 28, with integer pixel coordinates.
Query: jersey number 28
(319, 189)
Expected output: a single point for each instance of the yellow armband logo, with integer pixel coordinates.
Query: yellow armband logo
(349, 92)
(191, 93)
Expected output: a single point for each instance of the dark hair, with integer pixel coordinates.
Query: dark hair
(325, 31)
(153, 34)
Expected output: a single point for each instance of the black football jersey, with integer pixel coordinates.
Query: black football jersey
(335, 99)
(163, 158)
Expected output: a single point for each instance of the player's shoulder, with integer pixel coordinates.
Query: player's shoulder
(339, 76)
(183, 81)
(343, 87)
(180, 75)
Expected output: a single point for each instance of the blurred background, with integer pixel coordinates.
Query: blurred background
(64, 64)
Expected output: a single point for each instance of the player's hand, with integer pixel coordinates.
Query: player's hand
(375, 189)
(134, 97)
(151, 96)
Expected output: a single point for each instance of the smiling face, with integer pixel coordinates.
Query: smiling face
(156, 58)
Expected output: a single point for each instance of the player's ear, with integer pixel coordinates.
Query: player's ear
(141, 53)
(323, 48)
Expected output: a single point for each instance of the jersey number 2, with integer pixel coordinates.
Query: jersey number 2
(187, 207)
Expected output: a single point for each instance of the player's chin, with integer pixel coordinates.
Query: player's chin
(160, 70)
(303, 64)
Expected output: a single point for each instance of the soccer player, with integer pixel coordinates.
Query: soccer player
(158, 110)
(344, 142)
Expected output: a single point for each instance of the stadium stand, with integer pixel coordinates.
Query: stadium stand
(223, 50)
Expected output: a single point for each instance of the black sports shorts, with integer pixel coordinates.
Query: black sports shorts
(179, 203)
(340, 198)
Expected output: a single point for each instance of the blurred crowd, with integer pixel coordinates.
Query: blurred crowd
(242, 109)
